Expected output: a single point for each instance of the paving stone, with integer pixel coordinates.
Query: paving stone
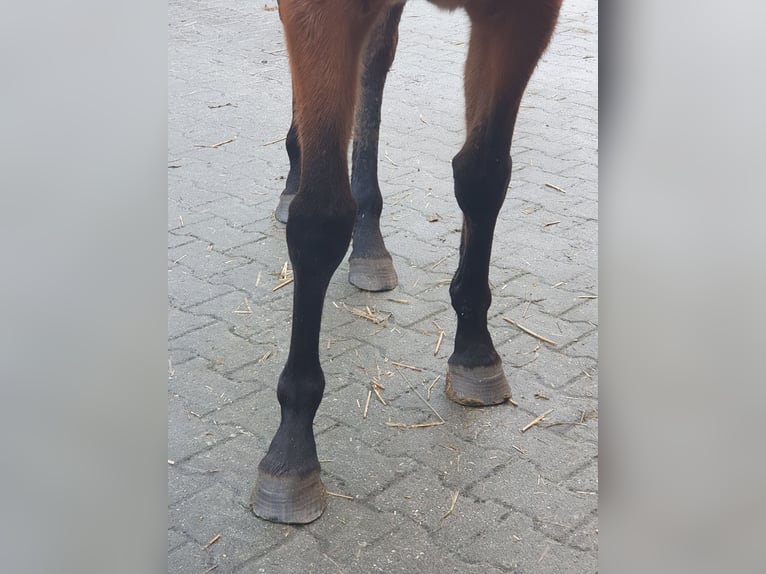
(201, 259)
(185, 290)
(515, 546)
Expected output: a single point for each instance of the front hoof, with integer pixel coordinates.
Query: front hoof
(477, 386)
(289, 499)
(372, 274)
(283, 208)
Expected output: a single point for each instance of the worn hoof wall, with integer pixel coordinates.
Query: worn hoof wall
(289, 499)
(477, 386)
(283, 208)
(372, 274)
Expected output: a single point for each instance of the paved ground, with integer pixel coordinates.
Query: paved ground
(523, 502)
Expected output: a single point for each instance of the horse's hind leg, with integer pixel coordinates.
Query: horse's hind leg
(370, 265)
(507, 39)
(324, 40)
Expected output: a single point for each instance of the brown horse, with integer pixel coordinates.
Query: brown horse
(336, 46)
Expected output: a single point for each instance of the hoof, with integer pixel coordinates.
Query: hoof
(372, 274)
(283, 208)
(289, 499)
(477, 386)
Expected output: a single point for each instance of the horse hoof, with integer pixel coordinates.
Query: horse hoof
(477, 386)
(283, 208)
(372, 274)
(289, 499)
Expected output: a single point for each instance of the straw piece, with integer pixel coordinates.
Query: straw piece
(367, 404)
(453, 501)
(415, 426)
(556, 187)
(213, 540)
(274, 141)
(418, 369)
(339, 495)
(529, 331)
(537, 420)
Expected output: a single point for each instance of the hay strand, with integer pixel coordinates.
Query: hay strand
(529, 331)
(537, 420)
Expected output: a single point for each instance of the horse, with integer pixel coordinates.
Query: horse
(340, 52)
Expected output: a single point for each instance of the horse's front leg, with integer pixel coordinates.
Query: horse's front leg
(324, 41)
(506, 42)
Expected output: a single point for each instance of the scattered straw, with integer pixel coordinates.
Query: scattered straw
(339, 495)
(367, 404)
(425, 402)
(587, 296)
(243, 308)
(539, 395)
(529, 332)
(217, 145)
(440, 339)
(401, 198)
(556, 187)
(213, 540)
(377, 393)
(410, 367)
(442, 260)
(401, 301)
(371, 315)
(439, 342)
(431, 386)
(453, 501)
(551, 223)
(272, 142)
(283, 284)
(285, 276)
(537, 420)
(414, 426)
(265, 357)
(213, 567)
(521, 450)
(571, 423)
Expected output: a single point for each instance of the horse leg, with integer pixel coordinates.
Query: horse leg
(507, 40)
(293, 176)
(324, 42)
(370, 264)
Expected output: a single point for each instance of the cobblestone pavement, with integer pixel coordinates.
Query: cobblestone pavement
(472, 495)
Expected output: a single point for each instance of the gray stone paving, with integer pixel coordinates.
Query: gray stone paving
(526, 502)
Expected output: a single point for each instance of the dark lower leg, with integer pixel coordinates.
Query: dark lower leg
(475, 374)
(289, 488)
(370, 265)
